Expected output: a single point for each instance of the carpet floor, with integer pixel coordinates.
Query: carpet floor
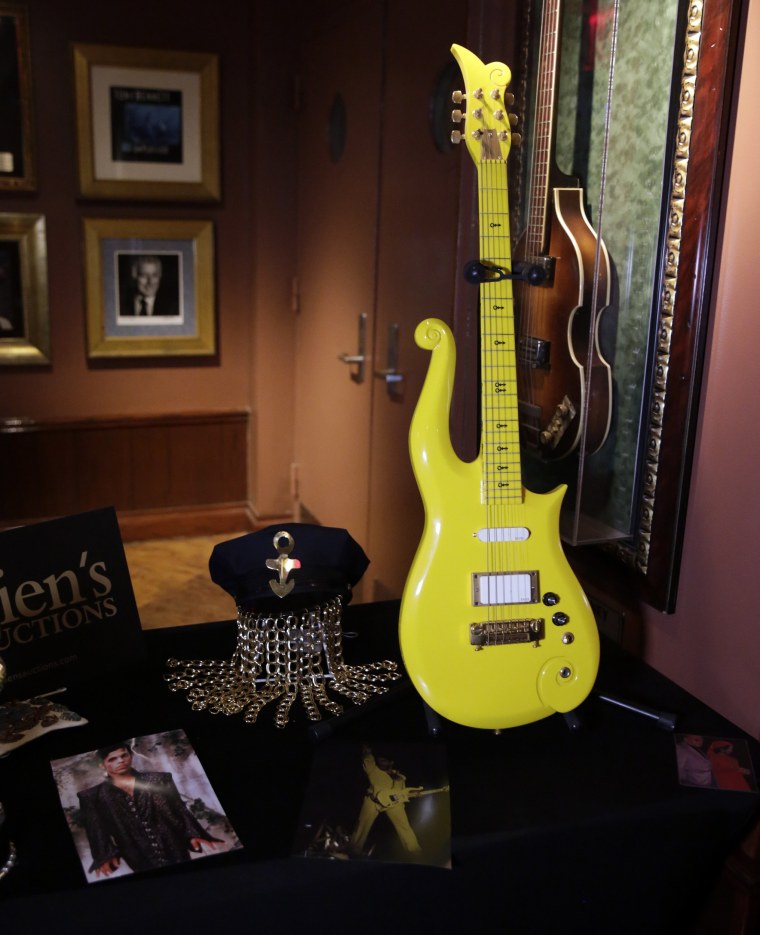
(171, 581)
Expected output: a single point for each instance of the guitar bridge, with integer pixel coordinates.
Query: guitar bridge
(563, 416)
(506, 632)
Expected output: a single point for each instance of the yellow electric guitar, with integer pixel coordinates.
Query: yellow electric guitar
(387, 799)
(495, 630)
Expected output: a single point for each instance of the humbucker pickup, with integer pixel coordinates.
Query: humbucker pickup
(504, 632)
(507, 587)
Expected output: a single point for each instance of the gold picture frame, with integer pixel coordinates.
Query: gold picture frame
(18, 170)
(24, 312)
(171, 262)
(147, 123)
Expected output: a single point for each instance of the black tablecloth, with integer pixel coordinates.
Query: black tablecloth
(553, 829)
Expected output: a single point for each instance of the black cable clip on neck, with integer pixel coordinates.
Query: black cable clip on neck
(476, 272)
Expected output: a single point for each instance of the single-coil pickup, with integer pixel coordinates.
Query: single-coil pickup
(504, 632)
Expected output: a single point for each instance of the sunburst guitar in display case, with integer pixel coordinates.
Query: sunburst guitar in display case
(494, 627)
(564, 383)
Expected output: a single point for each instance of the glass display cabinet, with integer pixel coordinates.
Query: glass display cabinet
(621, 113)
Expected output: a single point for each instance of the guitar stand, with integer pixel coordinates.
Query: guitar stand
(666, 720)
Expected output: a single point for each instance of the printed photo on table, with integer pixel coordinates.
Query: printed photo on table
(379, 801)
(140, 804)
(714, 763)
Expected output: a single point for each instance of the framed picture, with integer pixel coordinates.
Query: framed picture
(24, 316)
(17, 157)
(147, 123)
(149, 288)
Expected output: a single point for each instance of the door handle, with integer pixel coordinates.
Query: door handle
(390, 374)
(360, 358)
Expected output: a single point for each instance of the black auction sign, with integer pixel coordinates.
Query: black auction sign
(67, 607)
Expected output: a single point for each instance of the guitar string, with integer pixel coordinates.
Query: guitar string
(533, 302)
(595, 308)
(499, 365)
(486, 388)
(485, 301)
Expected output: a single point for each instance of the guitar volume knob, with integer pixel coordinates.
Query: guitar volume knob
(560, 619)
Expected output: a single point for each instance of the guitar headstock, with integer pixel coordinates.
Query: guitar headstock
(487, 122)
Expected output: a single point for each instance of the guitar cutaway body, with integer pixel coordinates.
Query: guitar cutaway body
(572, 381)
(495, 630)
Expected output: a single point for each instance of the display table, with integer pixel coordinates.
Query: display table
(552, 829)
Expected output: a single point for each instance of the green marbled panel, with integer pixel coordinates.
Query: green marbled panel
(637, 150)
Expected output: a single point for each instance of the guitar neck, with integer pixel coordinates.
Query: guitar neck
(544, 129)
(500, 433)
(418, 793)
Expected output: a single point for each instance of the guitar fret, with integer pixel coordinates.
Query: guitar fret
(538, 203)
(503, 466)
(500, 439)
(507, 434)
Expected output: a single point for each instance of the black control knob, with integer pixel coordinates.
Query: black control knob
(550, 598)
(560, 619)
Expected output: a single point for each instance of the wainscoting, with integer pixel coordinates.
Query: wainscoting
(167, 475)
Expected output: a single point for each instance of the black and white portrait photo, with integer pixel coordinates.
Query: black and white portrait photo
(149, 285)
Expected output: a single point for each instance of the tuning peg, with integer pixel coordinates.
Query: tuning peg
(495, 94)
(457, 116)
(457, 97)
(509, 99)
(456, 137)
(513, 120)
(477, 113)
(498, 115)
(516, 139)
(478, 93)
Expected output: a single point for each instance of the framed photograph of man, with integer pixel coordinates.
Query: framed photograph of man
(24, 314)
(17, 156)
(147, 123)
(149, 288)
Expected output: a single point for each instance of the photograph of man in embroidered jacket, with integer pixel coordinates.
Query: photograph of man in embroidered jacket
(135, 818)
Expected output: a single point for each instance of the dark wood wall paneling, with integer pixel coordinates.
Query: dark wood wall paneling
(177, 474)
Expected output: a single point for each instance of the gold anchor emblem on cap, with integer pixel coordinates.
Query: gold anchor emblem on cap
(282, 564)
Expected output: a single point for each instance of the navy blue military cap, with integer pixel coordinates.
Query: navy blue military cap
(288, 565)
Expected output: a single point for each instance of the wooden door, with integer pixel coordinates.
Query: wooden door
(416, 263)
(339, 145)
(377, 236)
